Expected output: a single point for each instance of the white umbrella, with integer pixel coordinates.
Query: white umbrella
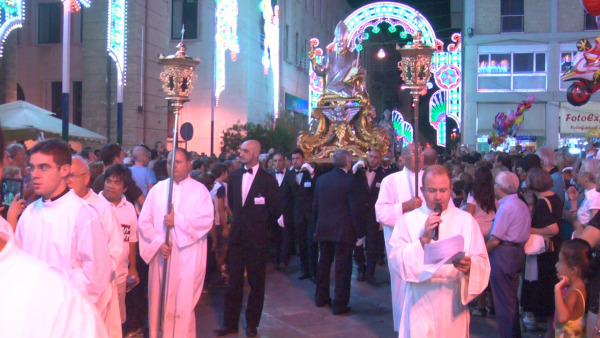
(21, 120)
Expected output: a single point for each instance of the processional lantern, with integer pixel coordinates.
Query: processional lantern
(415, 68)
(178, 79)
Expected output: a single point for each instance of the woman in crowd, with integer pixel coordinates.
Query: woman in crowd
(540, 273)
(585, 203)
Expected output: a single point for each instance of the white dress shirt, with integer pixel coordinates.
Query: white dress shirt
(247, 180)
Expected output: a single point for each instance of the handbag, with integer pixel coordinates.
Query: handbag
(537, 244)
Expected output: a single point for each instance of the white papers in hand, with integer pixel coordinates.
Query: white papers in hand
(444, 252)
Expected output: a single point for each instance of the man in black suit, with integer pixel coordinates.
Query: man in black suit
(254, 199)
(284, 223)
(369, 181)
(337, 203)
(298, 186)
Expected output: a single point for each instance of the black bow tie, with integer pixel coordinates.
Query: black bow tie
(246, 170)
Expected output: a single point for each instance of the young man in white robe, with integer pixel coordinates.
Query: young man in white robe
(108, 305)
(60, 228)
(397, 196)
(435, 303)
(189, 222)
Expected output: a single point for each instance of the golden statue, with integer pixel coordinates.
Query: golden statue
(343, 114)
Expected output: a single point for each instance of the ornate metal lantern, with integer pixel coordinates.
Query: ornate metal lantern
(415, 67)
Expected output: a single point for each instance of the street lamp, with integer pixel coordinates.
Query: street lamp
(415, 72)
(178, 78)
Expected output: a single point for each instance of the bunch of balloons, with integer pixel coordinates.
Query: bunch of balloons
(509, 123)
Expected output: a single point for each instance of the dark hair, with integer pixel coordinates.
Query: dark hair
(578, 254)
(483, 189)
(298, 151)
(458, 187)
(539, 180)
(60, 151)
(435, 170)
(160, 170)
(85, 153)
(197, 164)
(505, 160)
(109, 152)
(120, 172)
(288, 156)
(207, 179)
(529, 162)
(218, 169)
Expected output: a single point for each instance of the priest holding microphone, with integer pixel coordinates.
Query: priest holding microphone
(434, 303)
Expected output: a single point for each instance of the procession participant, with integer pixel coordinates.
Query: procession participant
(338, 205)
(435, 303)
(220, 228)
(254, 199)
(298, 188)
(396, 197)
(78, 180)
(190, 220)
(115, 184)
(62, 229)
(283, 240)
(369, 177)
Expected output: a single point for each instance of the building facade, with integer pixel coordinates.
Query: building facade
(514, 48)
(237, 80)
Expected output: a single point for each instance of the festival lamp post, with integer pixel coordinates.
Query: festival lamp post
(178, 78)
(415, 72)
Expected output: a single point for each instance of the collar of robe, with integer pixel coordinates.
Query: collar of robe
(56, 197)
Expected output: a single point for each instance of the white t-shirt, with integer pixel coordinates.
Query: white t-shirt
(590, 202)
(483, 218)
(129, 224)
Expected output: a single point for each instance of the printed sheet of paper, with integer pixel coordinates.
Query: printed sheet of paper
(444, 252)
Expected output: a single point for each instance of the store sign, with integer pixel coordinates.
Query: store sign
(577, 120)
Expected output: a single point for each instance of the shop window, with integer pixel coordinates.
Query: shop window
(511, 71)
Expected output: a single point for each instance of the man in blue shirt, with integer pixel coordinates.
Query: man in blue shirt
(142, 175)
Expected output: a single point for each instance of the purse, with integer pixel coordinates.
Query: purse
(537, 244)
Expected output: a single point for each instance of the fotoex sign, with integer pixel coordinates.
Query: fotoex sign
(577, 120)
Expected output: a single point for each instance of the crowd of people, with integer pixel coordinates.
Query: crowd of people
(126, 257)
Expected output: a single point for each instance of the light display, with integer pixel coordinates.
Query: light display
(315, 82)
(446, 102)
(403, 129)
(12, 14)
(226, 38)
(117, 36)
(270, 57)
(75, 4)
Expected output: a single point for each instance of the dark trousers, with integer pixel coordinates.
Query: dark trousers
(373, 250)
(309, 249)
(342, 253)
(507, 264)
(136, 301)
(282, 245)
(254, 261)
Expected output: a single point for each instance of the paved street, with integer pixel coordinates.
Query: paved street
(290, 311)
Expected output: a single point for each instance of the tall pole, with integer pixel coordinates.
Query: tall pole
(119, 107)
(415, 105)
(66, 69)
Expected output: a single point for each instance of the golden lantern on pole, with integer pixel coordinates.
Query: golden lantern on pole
(178, 79)
(415, 67)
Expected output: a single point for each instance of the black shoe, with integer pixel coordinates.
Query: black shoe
(251, 332)
(224, 331)
(372, 281)
(341, 311)
(361, 276)
(323, 304)
(304, 276)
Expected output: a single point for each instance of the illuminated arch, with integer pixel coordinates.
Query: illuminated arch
(12, 14)
(394, 14)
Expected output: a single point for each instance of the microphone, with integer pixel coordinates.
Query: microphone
(436, 231)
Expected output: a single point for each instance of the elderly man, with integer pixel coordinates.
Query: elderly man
(587, 209)
(548, 158)
(143, 177)
(254, 198)
(436, 297)
(396, 197)
(509, 233)
(190, 219)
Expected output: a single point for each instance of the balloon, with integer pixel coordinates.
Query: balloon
(511, 116)
(503, 126)
(519, 120)
(591, 6)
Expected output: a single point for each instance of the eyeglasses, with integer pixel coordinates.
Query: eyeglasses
(42, 167)
(74, 176)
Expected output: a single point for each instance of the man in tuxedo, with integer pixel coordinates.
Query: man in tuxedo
(254, 200)
(284, 222)
(337, 203)
(369, 179)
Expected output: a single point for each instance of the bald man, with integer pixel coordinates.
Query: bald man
(78, 180)
(143, 177)
(429, 157)
(255, 201)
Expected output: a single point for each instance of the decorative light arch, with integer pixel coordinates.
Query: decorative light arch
(12, 15)
(404, 130)
(76, 4)
(226, 38)
(394, 14)
(116, 41)
(270, 57)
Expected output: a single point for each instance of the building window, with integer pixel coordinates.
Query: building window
(49, 22)
(185, 13)
(590, 22)
(286, 42)
(296, 50)
(512, 13)
(57, 98)
(500, 72)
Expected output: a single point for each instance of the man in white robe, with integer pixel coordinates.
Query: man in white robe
(434, 303)
(108, 305)
(189, 223)
(62, 229)
(397, 196)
